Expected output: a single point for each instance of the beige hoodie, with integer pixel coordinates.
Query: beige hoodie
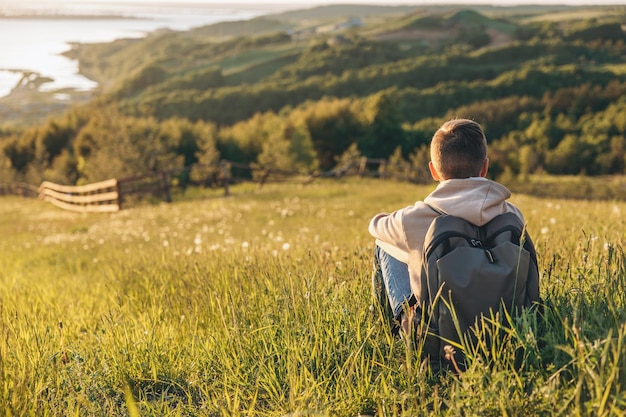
(401, 233)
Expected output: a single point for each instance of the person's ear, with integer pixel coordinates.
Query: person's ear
(433, 171)
(485, 168)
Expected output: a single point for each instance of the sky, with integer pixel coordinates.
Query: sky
(310, 3)
(411, 2)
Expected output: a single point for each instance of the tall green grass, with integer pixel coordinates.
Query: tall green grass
(260, 304)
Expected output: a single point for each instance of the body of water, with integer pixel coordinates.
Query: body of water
(34, 35)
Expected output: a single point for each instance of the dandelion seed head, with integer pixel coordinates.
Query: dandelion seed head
(245, 245)
(286, 246)
(544, 230)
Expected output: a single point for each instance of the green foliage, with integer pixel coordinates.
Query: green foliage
(333, 125)
(419, 165)
(126, 147)
(352, 54)
(142, 78)
(266, 27)
(200, 79)
(207, 156)
(286, 144)
(348, 163)
(592, 31)
(7, 173)
(382, 126)
(397, 166)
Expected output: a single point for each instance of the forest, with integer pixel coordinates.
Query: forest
(306, 91)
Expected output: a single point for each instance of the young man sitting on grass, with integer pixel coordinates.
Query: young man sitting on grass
(459, 163)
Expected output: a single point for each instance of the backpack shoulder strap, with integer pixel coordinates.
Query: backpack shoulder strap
(436, 209)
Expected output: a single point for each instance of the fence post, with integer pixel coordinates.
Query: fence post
(362, 166)
(266, 174)
(225, 176)
(118, 188)
(383, 169)
(166, 187)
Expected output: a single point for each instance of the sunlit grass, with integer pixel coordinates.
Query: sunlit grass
(259, 304)
(618, 69)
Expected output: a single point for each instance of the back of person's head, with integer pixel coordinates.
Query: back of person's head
(459, 149)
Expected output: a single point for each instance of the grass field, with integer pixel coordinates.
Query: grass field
(259, 305)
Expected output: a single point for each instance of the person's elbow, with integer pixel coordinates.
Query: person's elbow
(374, 225)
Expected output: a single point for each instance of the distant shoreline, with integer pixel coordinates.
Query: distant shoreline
(42, 16)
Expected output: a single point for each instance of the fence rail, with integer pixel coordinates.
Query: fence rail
(19, 189)
(97, 197)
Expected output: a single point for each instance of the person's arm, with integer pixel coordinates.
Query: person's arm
(390, 236)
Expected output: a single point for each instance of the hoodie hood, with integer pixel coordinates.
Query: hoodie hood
(477, 200)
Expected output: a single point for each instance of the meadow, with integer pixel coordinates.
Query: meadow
(259, 304)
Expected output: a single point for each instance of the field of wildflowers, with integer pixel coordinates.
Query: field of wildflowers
(259, 304)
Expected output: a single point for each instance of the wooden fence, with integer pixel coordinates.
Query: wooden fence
(19, 189)
(99, 197)
(111, 195)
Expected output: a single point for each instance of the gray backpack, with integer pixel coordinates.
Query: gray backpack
(469, 271)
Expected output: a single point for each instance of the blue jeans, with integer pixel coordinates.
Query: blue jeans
(391, 283)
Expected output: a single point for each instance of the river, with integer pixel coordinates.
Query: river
(34, 34)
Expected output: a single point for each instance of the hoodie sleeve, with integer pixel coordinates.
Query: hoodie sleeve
(389, 232)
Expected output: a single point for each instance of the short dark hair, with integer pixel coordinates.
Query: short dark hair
(459, 149)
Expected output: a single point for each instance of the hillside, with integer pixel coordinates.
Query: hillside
(546, 82)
